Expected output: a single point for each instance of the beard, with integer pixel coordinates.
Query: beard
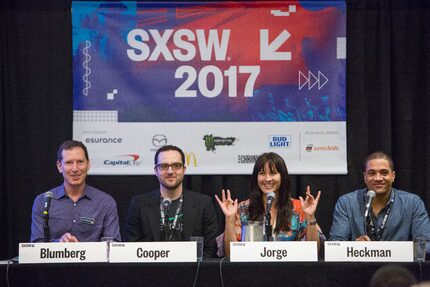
(171, 186)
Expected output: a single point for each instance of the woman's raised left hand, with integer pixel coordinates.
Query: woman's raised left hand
(309, 204)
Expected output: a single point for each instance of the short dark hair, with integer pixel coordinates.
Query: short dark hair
(68, 145)
(392, 276)
(167, 148)
(379, 155)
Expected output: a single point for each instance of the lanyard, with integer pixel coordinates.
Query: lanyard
(377, 234)
(164, 214)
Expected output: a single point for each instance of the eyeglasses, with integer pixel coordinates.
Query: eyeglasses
(165, 166)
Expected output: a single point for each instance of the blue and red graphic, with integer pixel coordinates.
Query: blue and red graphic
(211, 62)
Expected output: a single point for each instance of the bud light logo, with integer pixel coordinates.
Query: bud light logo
(279, 141)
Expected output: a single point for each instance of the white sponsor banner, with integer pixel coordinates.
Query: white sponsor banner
(273, 251)
(369, 251)
(210, 148)
(153, 252)
(64, 252)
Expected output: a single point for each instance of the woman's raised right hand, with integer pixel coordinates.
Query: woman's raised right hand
(228, 205)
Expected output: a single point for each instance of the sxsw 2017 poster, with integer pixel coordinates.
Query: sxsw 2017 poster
(225, 81)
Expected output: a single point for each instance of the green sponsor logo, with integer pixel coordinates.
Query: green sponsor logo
(212, 141)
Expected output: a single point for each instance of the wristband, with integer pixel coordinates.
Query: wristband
(313, 222)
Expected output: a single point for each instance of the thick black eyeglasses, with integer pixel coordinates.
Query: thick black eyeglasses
(165, 166)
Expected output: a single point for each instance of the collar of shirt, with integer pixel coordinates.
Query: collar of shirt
(60, 192)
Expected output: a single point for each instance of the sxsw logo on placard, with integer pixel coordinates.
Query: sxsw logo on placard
(279, 141)
(212, 141)
(27, 245)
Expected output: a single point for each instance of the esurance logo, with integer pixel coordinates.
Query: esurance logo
(279, 141)
(93, 140)
(212, 141)
(126, 160)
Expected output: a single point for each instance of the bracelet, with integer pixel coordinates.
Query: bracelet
(313, 222)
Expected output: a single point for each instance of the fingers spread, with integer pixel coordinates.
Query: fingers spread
(318, 195)
(228, 194)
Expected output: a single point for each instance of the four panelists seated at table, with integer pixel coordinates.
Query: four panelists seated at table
(79, 212)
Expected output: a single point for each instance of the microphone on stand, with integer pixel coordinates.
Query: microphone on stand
(270, 197)
(166, 205)
(267, 226)
(370, 196)
(46, 231)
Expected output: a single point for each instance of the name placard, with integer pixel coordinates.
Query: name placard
(273, 251)
(369, 251)
(151, 252)
(63, 252)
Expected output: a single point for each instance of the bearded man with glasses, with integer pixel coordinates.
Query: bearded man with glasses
(172, 213)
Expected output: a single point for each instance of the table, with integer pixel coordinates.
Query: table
(210, 272)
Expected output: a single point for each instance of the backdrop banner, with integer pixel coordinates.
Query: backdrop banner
(225, 81)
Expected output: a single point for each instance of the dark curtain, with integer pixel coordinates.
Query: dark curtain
(388, 97)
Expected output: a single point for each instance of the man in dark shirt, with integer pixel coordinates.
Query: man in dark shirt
(172, 213)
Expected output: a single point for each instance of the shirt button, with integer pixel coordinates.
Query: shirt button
(74, 220)
(74, 204)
